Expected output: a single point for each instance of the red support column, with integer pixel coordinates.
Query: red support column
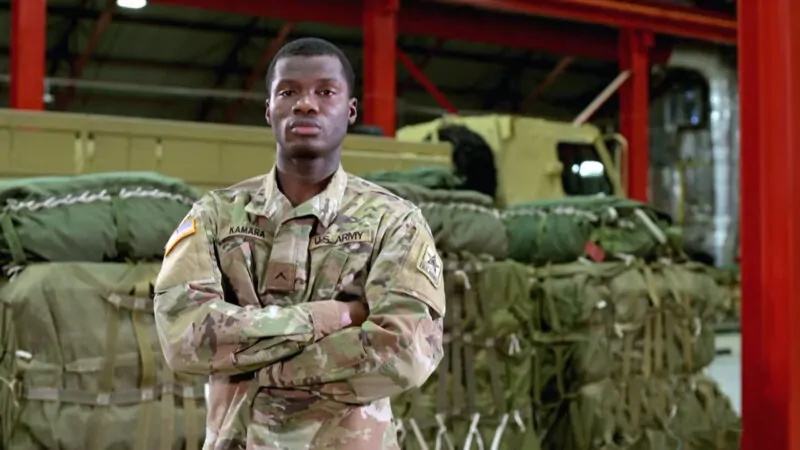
(769, 67)
(380, 69)
(634, 101)
(28, 37)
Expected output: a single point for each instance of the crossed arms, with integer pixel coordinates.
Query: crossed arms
(332, 347)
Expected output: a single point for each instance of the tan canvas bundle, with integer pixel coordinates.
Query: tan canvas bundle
(84, 365)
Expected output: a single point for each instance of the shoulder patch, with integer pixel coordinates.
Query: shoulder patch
(429, 263)
(186, 229)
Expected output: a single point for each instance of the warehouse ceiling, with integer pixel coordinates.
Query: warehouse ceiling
(190, 64)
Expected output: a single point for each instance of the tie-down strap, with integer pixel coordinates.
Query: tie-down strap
(119, 398)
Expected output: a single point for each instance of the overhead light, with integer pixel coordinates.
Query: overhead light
(132, 4)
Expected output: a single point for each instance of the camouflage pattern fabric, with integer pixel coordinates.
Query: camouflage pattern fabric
(81, 366)
(251, 292)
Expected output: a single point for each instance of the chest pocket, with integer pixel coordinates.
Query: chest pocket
(339, 272)
(241, 260)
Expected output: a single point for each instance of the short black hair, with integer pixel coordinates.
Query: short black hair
(313, 47)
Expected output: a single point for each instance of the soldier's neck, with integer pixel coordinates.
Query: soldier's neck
(302, 179)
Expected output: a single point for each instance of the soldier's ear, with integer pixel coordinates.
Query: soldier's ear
(353, 111)
(266, 112)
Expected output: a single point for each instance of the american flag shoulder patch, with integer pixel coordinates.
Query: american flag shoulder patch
(184, 230)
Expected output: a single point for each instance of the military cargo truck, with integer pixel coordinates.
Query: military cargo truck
(536, 158)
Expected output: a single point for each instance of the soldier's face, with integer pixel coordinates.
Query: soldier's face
(309, 107)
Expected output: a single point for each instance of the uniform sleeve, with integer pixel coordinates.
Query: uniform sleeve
(202, 332)
(400, 344)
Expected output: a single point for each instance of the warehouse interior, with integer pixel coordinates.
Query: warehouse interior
(693, 99)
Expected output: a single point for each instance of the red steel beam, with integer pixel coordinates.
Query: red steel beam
(421, 65)
(439, 22)
(380, 68)
(551, 78)
(80, 62)
(261, 67)
(769, 68)
(425, 82)
(634, 47)
(659, 18)
(28, 38)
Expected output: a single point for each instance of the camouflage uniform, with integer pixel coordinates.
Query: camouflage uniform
(246, 294)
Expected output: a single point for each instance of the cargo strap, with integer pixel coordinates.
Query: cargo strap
(106, 381)
(190, 416)
(10, 410)
(457, 370)
(119, 398)
(487, 292)
(147, 376)
(124, 238)
(471, 316)
(12, 239)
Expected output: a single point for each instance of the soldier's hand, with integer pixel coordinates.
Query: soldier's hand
(333, 315)
(356, 314)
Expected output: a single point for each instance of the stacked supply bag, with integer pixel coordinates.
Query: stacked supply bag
(586, 329)
(80, 362)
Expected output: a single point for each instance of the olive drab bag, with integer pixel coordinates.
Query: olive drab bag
(81, 365)
(619, 352)
(461, 221)
(480, 395)
(559, 231)
(112, 216)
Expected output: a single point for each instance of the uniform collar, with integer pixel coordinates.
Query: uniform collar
(270, 202)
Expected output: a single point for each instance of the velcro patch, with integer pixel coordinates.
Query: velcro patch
(186, 229)
(246, 230)
(430, 264)
(341, 238)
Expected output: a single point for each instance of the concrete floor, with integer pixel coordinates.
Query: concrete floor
(727, 369)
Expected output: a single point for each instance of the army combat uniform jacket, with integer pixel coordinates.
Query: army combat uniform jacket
(246, 294)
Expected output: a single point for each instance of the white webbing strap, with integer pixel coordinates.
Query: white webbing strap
(418, 434)
(441, 434)
(498, 434)
(473, 432)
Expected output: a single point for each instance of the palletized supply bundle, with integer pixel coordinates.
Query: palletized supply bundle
(94, 218)
(480, 393)
(461, 221)
(596, 338)
(480, 396)
(80, 361)
(619, 353)
(559, 231)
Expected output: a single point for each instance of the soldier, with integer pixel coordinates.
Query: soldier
(308, 295)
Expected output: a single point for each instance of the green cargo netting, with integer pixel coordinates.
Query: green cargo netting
(429, 177)
(686, 412)
(558, 231)
(613, 343)
(480, 393)
(461, 221)
(91, 218)
(84, 368)
(731, 279)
